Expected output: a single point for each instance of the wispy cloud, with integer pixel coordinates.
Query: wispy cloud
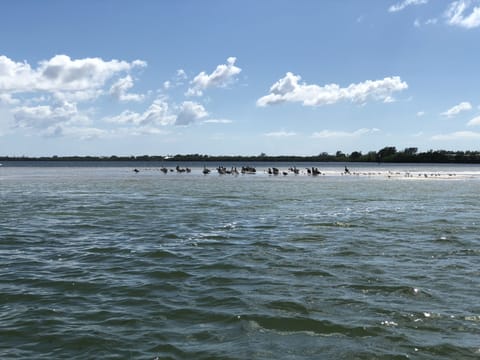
(405, 3)
(324, 134)
(460, 13)
(458, 135)
(289, 89)
(457, 109)
(218, 121)
(222, 76)
(177, 80)
(280, 134)
(474, 122)
(8, 99)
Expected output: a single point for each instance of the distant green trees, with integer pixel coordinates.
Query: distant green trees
(411, 155)
(388, 154)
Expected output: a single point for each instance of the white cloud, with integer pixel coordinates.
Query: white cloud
(120, 88)
(140, 130)
(456, 16)
(458, 135)
(181, 74)
(418, 23)
(82, 133)
(60, 74)
(190, 112)
(457, 109)
(402, 5)
(218, 121)
(177, 80)
(420, 113)
(222, 76)
(44, 116)
(157, 114)
(160, 114)
(78, 96)
(8, 99)
(474, 122)
(280, 134)
(324, 134)
(288, 89)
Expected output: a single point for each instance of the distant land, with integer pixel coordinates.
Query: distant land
(388, 154)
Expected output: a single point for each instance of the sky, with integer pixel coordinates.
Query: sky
(218, 77)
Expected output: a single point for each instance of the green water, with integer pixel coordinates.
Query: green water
(105, 263)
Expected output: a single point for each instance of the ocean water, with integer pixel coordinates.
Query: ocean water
(103, 263)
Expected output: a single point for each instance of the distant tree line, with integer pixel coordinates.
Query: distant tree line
(388, 154)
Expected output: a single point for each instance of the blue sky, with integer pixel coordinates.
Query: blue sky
(117, 77)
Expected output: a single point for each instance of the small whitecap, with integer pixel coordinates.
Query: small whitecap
(389, 323)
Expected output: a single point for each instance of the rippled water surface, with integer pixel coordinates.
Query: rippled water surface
(108, 264)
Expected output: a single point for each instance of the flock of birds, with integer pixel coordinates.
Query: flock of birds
(313, 171)
(222, 170)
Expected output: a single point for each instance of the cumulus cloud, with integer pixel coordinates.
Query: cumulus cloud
(160, 114)
(405, 3)
(222, 76)
(44, 116)
(289, 89)
(60, 119)
(49, 98)
(55, 87)
(474, 122)
(60, 73)
(457, 109)
(157, 114)
(190, 112)
(120, 88)
(324, 134)
(460, 13)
